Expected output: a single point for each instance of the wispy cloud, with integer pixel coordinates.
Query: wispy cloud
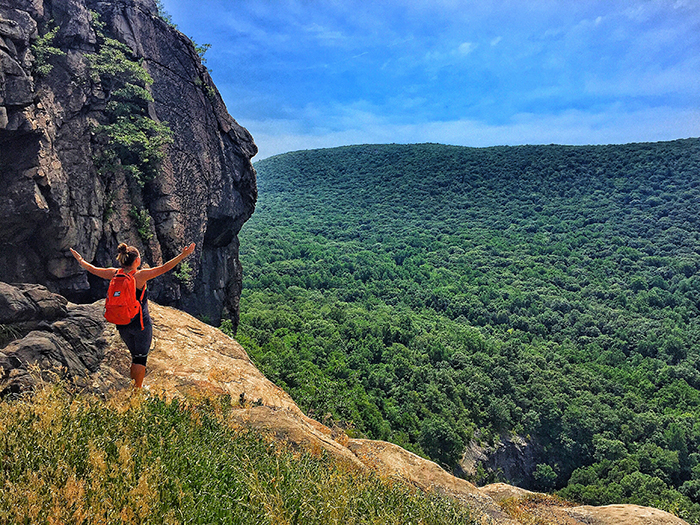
(324, 34)
(466, 48)
(302, 74)
(612, 126)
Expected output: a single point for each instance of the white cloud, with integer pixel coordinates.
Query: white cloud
(435, 59)
(323, 33)
(682, 78)
(614, 126)
(466, 48)
(496, 41)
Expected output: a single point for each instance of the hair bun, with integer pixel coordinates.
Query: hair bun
(122, 248)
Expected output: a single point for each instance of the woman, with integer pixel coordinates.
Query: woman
(137, 339)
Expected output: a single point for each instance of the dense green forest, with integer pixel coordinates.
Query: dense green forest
(434, 296)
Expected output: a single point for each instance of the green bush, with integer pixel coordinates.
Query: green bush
(134, 142)
(183, 273)
(143, 223)
(43, 50)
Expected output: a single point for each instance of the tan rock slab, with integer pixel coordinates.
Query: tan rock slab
(288, 426)
(189, 357)
(393, 460)
(502, 491)
(623, 515)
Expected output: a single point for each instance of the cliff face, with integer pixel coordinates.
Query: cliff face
(56, 195)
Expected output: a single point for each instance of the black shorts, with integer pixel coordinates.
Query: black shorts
(137, 341)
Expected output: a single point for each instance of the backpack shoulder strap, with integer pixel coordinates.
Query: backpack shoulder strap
(143, 292)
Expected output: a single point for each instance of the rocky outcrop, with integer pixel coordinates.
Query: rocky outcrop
(191, 360)
(54, 197)
(44, 336)
(392, 460)
(539, 508)
(513, 458)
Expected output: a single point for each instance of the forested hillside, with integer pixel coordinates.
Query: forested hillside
(432, 295)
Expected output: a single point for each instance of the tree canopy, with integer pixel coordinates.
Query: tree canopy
(435, 295)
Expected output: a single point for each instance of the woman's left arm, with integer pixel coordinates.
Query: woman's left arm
(105, 273)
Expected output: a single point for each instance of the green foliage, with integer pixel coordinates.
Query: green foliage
(163, 14)
(144, 460)
(546, 291)
(210, 92)
(440, 441)
(183, 273)
(43, 51)
(226, 327)
(545, 476)
(201, 50)
(608, 483)
(135, 142)
(143, 223)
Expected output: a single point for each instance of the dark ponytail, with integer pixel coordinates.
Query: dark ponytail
(126, 255)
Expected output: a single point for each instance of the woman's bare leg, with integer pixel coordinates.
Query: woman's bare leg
(138, 372)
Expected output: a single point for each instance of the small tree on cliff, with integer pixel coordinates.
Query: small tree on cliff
(134, 142)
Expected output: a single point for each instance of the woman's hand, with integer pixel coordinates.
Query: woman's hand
(149, 273)
(78, 257)
(187, 250)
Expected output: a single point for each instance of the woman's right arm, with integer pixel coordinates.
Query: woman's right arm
(149, 273)
(105, 273)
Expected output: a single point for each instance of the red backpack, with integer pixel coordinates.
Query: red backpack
(121, 305)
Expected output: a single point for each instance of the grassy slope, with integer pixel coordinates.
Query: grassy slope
(136, 460)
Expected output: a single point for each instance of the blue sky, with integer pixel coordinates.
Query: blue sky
(303, 74)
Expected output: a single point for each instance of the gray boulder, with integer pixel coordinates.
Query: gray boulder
(47, 336)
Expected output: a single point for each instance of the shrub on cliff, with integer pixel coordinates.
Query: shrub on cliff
(43, 49)
(134, 142)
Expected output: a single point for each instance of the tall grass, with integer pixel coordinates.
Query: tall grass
(138, 459)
